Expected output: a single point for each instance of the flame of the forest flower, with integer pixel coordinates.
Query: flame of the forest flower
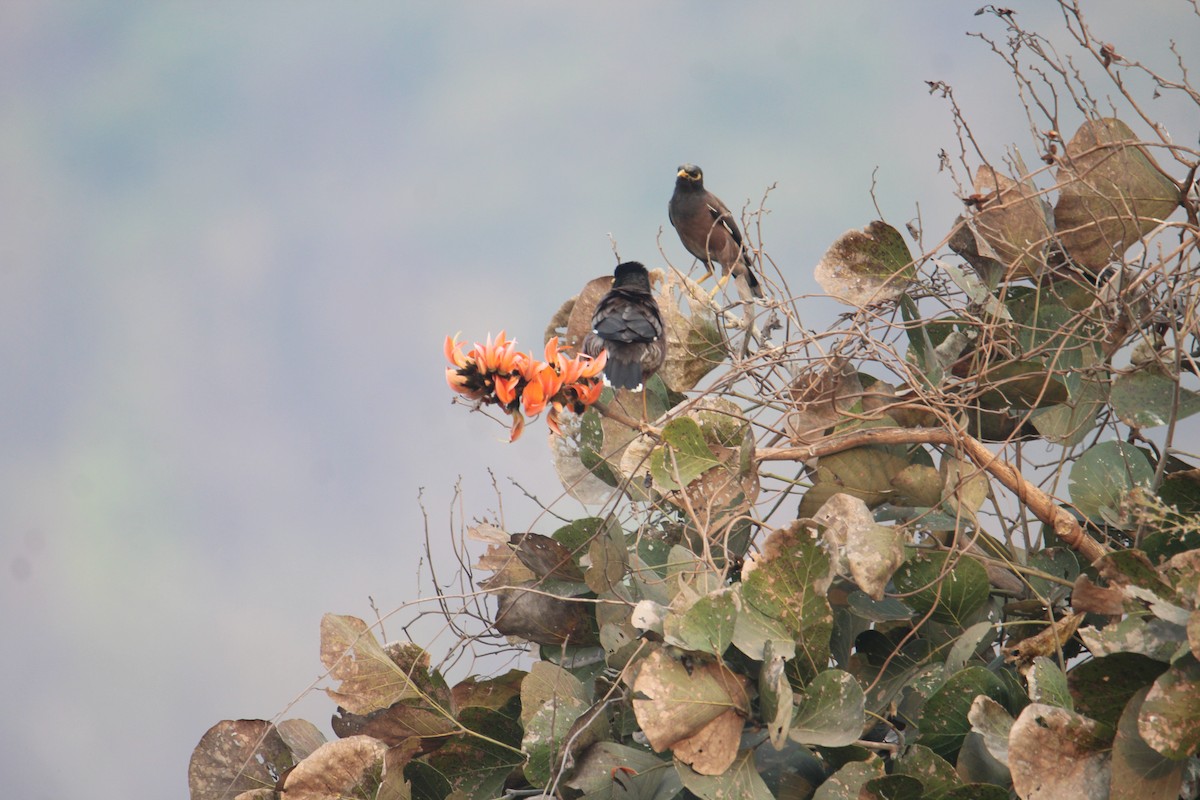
(495, 372)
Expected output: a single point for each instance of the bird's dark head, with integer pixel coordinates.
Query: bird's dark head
(631, 275)
(689, 176)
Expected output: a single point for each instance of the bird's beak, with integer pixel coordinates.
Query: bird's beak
(683, 173)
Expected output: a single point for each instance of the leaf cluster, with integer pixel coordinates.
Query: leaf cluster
(949, 548)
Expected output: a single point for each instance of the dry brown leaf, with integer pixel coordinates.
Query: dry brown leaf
(1112, 192)
(371, 680)
(1056, 754)
(337, 769)
(820, 396)
(527, 612)
(714, 747)
(1010, 230)
(235, 756)
(674, 701)
(866, 551)
(1047, 643)
(1087, 597)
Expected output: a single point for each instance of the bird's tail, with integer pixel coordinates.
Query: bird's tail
(621, 374)
(748, 276)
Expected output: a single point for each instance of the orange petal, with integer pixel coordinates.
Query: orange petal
(588, 393)
(595, 366)
(518, 426)
(506, 389)
(453, 349)
(533, 399)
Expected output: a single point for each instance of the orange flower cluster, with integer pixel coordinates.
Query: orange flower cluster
(498, 373)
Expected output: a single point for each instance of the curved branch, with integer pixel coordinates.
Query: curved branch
(1043, 506)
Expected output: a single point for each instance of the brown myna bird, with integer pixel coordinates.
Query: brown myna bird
(628, 324)
(709, 232)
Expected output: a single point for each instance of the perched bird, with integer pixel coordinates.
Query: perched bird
(628, 324)
(709, 232)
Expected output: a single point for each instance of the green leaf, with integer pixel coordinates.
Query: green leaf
(977, 291)
(888, 670)
(775, 697)
(1048, 684)
(788, 582)
(428, 783)
(1101, 687)
(891, 787)
(1068, 424)
(888, 609)
(740, 781)
(478, 766)
(683, 453)
(1021, 384)
(1170, 717)
(595, 770)
(866, 267)
(688, 572)
(1057, 561)
(954, 592)
(977, 791)
(706, 626)
(546, 682)
(576, 535)
(609, 557)
(1133, 567)
(754, 631)
(935, 773)
(1104, 475)
(1146, 399)
(1148, 636)
(863, 472)
(1139, 772)
(847, 782)
(969, 644)
(831, 711)
(546, 731)
(943, 721)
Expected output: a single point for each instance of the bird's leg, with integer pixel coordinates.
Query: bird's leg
(720, 284)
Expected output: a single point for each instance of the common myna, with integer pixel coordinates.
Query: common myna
(628, 324)
(709, 232)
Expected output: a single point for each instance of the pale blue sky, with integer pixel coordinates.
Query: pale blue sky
(234, 235)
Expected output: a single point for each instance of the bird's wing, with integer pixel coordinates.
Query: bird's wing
(628, 318)
(721, 214)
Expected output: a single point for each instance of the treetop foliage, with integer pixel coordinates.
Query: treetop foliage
(947, 548)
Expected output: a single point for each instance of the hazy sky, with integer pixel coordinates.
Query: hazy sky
(233, 236)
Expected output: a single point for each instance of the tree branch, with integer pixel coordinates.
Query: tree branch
(1043, 506)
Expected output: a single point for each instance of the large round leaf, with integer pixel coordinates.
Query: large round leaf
(1111, 193)
(831, 712)
(1103, 476)
(944, 721)
(953, 591)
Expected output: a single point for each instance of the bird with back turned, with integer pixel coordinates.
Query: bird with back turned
(709, 232)
(628, 324)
